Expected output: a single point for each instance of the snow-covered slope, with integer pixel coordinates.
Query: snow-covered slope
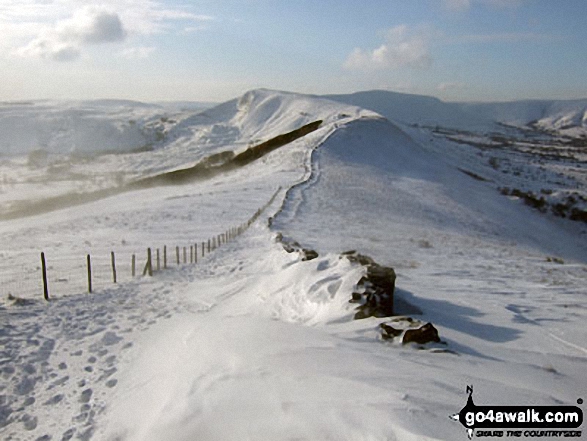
(74, 127)
(532, 150)
(565, 117)
(415, 109)
(252, 342)
(161, 141)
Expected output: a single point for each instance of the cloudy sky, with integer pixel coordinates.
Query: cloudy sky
(213, 50)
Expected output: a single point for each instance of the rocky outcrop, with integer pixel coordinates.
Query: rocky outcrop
(291, 246)
(422, 335)
(374, 294)
(375, 290)
(407, 330)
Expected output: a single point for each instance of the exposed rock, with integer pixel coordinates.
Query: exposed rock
(291, 246)
(408, 330)
(389, 332)
(375, 289)
(361, 259)
(308, 254)
(425, 334)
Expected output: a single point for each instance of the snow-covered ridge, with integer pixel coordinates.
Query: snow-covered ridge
(95, 147)
(565, 117)
(533, 150)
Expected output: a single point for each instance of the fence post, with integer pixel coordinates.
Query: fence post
(164, 256)
(191, 254)
(133, 265)
(177, 254)
(113, 260)
(196, 252)
(158, 261)
(89, 263)
(44, 268)
(208, 246)
(184, 255)
(203, 248)
(149, 263)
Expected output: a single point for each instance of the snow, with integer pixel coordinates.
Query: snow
(565, 117)
(254, 343)
(532, 147)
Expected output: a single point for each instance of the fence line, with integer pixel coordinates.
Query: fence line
(100, 271)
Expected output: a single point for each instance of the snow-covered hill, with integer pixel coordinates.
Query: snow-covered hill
(253, 342)
(563, 117)
(416, 109)
(532, 150)
(74, 127)
(100, 147)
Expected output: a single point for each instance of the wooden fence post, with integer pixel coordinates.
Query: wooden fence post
(45, 285)
(133, 265)
(164, 256)
(196, 252)
(203, 248)
(113, 260)
(158, 261)
(184, 255)
(177, 254)
(191, 254)
(149, 263)
(89, 263)
(208, 246)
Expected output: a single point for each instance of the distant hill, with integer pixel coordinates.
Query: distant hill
(567, 117)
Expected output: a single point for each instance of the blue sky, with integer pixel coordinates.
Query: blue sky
(457, 50)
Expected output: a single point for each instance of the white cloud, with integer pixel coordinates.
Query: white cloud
(134, 53)
(402, 48)
(61, 29)
(193, 29)
(46, 48)
(95, 26)
(65, 40)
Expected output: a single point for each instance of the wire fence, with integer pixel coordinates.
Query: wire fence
(63, 274)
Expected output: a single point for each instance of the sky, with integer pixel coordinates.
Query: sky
(215, 50)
